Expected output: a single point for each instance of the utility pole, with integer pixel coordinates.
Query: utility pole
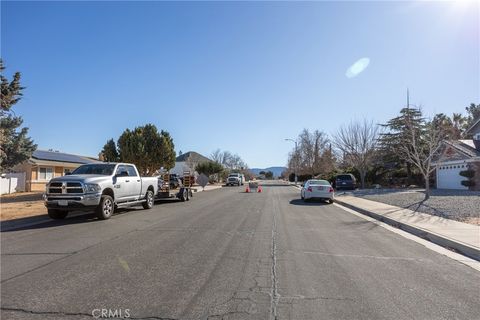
(295, 160)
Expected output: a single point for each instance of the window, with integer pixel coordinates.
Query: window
(120, 169)
(45, 173)
(66, 170)
(131, 171)
(103, 169)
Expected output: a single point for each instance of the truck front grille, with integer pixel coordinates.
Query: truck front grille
(55, 187)
(74, 187)
(65, 188)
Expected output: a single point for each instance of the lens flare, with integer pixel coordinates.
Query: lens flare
(358, 67)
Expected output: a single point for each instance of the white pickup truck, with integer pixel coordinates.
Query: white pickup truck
(235, 179)
(101, 187)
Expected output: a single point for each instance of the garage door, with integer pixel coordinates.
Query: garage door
(448, 177)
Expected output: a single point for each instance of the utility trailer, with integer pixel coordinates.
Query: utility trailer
(183, 192)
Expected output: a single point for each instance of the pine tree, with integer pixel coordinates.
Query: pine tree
(396, 133)
(15, 145)
(110, 152)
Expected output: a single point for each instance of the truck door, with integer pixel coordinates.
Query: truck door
(121, 184)
(135, 184)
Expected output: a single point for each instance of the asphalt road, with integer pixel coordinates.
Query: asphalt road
(230, 255)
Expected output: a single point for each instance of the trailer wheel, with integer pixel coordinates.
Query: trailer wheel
(183, 195)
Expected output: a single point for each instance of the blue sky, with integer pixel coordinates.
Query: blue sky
(229, 75)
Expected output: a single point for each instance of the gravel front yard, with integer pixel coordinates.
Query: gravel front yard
(453, 204)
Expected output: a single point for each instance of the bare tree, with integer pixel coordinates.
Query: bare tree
(357, 143)
(217, 156)
(310, 149)
(421, 147)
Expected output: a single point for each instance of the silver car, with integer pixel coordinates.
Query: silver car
(317, 189)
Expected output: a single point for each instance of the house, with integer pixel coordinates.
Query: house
(457, 156)
(187, 162)
(46, 164)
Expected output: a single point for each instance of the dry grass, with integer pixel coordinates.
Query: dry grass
(21, 205)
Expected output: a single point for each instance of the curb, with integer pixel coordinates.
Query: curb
(436, 238)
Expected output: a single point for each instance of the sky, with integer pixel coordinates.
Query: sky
(239, 76)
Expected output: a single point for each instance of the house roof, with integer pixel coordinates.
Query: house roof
(472, 129)
(46, 155)
(466, 147)
(191, 156)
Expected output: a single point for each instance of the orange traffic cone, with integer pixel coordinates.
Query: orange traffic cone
(247, 190)
(259, 188)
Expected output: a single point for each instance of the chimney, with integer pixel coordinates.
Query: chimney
(476, 141)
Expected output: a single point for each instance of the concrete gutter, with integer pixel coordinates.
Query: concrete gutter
(461, 237)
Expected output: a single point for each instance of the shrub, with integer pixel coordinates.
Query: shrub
(469, 173)
(468, 183)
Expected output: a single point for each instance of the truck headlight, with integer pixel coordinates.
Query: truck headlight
(92, 188)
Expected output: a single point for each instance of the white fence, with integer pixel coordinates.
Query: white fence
(12, 182)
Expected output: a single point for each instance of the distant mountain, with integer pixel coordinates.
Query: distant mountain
(277, 171)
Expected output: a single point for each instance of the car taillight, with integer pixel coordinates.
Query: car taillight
(330, 190)
(309, 189)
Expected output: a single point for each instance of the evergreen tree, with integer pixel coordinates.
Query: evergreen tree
(168, 150)
(148, 149)
(15, 145)
(110, 152)
(395, 134)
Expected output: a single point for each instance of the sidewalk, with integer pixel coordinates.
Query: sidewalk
(462, 237)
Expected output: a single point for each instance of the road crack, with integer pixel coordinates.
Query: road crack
(59, 313)
(274, 297)
(76, 314)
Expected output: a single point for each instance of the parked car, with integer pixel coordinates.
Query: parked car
(235, 179)
(345, 181)
(317, 189)
(101, 187)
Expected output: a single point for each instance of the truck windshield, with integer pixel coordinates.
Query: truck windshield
(102, 169)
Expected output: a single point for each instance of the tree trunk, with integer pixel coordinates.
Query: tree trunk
(362, 178)
(427, 188)
(409, 174)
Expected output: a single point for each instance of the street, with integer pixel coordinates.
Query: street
(227, 254)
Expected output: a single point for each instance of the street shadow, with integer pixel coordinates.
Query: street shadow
(316, 203)
(274, 185)
(362, 224)
(43, 221)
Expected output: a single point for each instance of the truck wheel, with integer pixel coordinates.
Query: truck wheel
(57, 214)
(106, 207)
(148, 204)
